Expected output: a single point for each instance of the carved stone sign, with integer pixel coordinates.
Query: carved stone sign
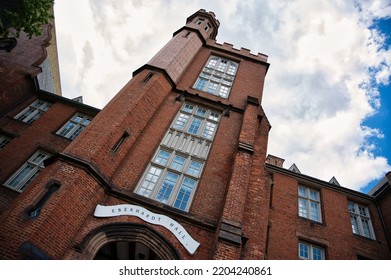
(133, 210)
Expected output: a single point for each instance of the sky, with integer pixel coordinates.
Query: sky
(327, 93)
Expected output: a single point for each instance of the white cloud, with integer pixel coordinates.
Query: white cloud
(318, 89)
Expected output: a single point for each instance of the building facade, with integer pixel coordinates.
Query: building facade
(173, 168)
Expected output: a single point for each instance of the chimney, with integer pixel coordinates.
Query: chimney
(275, 160)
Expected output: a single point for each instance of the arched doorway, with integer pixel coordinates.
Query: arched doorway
(121, 241)
(125, 250)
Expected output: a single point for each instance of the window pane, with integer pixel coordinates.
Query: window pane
(76, 132)
(188, 108)
(181, 121)
(38, 158)
(33, 174)
(223, 92)
(167, 186)
(354, 222)
(195, 125)
(3, 141)
(194, 168)
(201, 83)
(365, 225)
(214, 116)
(231, 69)
(150, 181)
(222, 65)
(78, 118)
(23, 174)
(178, 163)
(201, 112)
(302, 192)
(86, 121)
(303, 207)
(317, 253)
(162, 157)
(362, 211)
(184, 193)
(351, 207)
(303, 251)
(314, 211)
(314, 195)
(212, 87)
(209, 130)
(34, 116)
(67, 129)
(24, 116)
(212, 63)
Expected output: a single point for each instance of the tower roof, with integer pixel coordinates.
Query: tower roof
(211, 16)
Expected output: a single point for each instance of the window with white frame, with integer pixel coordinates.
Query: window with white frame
(308, 251)
(33, 111)
(360, 220)
(74, 126)
(217, 76)
(309, 204)
(28, 171)
(173, 174)
(4, 140)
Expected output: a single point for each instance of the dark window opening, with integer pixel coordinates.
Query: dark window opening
(120, 141)
(124, 250)
(35, 210)
(148, 77)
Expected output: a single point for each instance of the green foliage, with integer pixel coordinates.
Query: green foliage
(25, 15)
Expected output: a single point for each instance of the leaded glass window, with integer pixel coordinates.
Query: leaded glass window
(217, 76)
(175, 170)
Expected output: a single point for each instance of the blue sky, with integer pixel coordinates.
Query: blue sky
(327, 91)
(382, 119)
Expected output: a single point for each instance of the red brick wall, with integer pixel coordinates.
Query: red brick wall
(334, 233)
(61, 218)
(28, 139)
(131, 109)
(249, 80)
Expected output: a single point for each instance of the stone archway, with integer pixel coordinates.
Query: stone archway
(127, 241)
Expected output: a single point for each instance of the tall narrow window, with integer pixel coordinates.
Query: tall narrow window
(173, 174)
(308, 251)
(309, 204)
(27, 172)
(120, 141)
(74, 126)
(34, 111)
(217, 76)
(50, 188)
(360, 220)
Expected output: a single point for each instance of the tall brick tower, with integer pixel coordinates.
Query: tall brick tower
(172, 168)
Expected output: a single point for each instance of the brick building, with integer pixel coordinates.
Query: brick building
(173, 168)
